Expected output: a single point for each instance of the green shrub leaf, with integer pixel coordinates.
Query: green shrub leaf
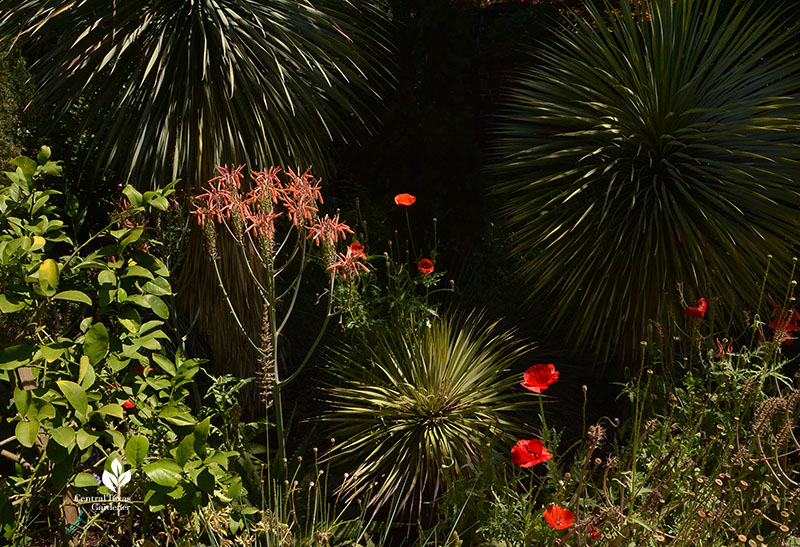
(136, 450)
(27, 432)
(164, 472)
(95, 344)
(73, 296)
(76, 396)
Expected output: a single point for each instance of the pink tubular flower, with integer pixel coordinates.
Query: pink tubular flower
(328, 229)
(266, 185)
(300, 197)
(262, 223)
(349, 262)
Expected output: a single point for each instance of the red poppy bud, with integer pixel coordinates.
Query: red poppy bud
(404, 199)
(425, 266)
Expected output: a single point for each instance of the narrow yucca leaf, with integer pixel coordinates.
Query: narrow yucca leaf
(642, 153)
(414, 416)
(180, 85)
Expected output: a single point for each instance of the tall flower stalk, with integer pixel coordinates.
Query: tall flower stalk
(278, 229)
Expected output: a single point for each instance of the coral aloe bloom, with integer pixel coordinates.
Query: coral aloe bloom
(558, 517)
(425, 266)
(539, 377)
(698, 310)
(527, 453)
(404, 199)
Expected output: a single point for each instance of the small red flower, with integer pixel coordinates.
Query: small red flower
(529, 452)
(539, 377)
(140, 369)
(558, 517)
(594, 534)
(698, 310)
(425, 266)
(357, 247)
(128, 404)
(404, 199)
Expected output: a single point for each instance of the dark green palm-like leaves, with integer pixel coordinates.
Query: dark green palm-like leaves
(416, 414)
(643, 154)
(178, 86)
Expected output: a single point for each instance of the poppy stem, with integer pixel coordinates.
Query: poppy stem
(545, 431)
(410, 235)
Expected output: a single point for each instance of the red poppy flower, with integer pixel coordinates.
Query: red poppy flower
(128, 404)
(558, 517)
(357, 247)
(404, 199)
(698, 310)
(527, 453)
(539, 377)
(425, 266)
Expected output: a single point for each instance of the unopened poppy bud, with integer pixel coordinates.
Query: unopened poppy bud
(311, 484)
(584, 388)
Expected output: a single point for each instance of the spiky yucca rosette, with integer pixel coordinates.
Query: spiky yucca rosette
(644, 152)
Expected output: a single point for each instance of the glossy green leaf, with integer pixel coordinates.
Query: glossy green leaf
(63, 435)
(136, 450)
(73, 296)
(76, 396)
(165, 472)
(85, 480)
(85, 438)
(16, 356)
(26, 432)
(95, 344)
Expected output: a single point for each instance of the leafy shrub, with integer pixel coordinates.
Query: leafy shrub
(89, 386)
(642, 152)
(414, 416)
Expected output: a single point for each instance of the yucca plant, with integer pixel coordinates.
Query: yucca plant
(413, 415)
(179, 86)
(645, 153)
